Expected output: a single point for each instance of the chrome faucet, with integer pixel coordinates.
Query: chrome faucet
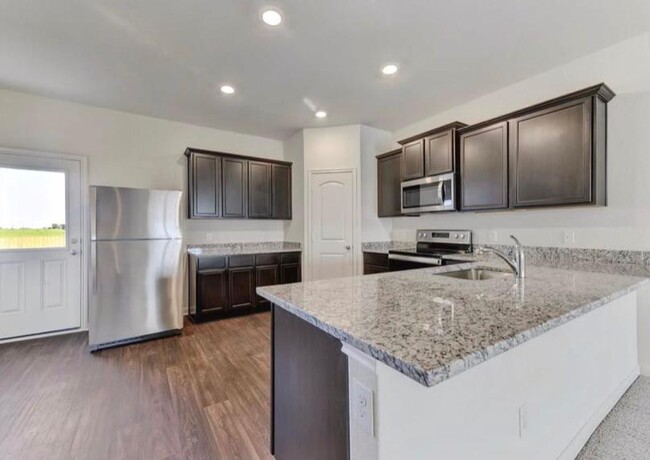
(518, 266)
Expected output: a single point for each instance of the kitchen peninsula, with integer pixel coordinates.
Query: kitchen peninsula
(416, 365)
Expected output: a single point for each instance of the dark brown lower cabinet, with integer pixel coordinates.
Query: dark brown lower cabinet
(309, 392)
(225, 285)
(266, 275)
(242, 287)
(374, 262)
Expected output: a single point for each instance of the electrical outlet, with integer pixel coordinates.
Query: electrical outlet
(362, 407)
(523, 421)
(569, 237)
(492, 236)
(208, 236)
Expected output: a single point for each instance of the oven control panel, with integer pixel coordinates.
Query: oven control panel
(462, 237)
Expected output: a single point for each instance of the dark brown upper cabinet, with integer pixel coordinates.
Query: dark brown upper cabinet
(430, 153)
(389, 180)
(223, 185)
(205, 186)
(281, 191)
(413, 160)
(234, 177)
(552, 156)
(484, 167)
(259, 190)
(439, 153)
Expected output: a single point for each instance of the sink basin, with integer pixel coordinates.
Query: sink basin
(476, 274)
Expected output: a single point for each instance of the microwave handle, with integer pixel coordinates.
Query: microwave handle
(441, 197)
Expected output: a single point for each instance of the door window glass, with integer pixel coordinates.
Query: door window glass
(32, 209)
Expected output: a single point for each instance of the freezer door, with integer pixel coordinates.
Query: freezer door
(136, 289)
(129, 213)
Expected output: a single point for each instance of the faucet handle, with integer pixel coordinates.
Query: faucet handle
(517, 243)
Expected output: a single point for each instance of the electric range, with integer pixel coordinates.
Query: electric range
(434, 248)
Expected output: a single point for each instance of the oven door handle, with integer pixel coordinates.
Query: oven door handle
(422, 260)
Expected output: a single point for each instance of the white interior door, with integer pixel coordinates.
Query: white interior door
(332, 224)
(40, 245)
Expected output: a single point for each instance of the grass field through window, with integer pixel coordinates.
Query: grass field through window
(29, 238)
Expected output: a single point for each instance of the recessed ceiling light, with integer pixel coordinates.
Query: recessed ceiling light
(389, 69)
(227, 89)
(271, 17)
(321, 114)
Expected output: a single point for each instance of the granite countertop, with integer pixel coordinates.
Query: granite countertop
(382, 247)
(228, 249)
(431, 327)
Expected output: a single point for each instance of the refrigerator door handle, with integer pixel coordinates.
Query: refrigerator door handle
(93, 267)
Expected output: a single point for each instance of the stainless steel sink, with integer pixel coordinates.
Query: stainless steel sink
(476, 274)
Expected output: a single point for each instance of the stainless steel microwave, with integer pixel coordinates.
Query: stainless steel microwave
(431, 194)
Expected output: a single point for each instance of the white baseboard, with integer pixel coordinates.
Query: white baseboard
(581, 438)
(42, 336)
(645, 369)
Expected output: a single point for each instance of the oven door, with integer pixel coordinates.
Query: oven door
(436, 193)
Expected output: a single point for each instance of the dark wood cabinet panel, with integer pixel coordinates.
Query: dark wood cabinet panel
(389, 181)
(242, 287)
(484, 168)
(235, 184)
(290, 273)
(439, 153)
(309, 392)
(374, 262)
(259, 190)
(373, 269)
(212, 291)
(205, 186)
(413, 160)
(281, 192)
(266, 275)
(550, 156)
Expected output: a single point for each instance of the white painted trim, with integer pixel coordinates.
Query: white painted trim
(581, 438)
(645, 369)
(85, 231)
(356, 219)
(76, 330)
(359, 357)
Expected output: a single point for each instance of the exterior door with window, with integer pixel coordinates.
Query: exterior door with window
(40, 245)
(332, 224)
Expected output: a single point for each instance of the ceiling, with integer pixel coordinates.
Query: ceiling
(168, 58)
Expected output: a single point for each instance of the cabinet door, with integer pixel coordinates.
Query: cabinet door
(267, 275)
(290, 273)
(413, 160)
(550, 156)
(235, 183)
(212, 292)
(389, 180)
(242, 287)
(372, 269)
(259, 189)
(281, 184)
(205, 185)
(484, 168)
(439, 153)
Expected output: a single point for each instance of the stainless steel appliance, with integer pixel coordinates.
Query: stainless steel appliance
(434, 248)
(136, 282)
(435, 193)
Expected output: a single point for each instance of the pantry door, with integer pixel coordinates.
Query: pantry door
(40, 244)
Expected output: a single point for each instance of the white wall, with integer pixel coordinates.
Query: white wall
(625, 222)
(294, 229)
(133, 151)
(373, 142)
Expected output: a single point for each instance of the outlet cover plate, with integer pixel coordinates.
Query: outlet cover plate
(363, 408)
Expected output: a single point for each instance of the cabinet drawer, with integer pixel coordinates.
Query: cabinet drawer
(290, 257)
(211, 262)
(267, 259)
(247, 260)
(373, 258)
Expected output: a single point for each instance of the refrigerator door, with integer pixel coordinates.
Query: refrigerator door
(136, 291)
(134, 214)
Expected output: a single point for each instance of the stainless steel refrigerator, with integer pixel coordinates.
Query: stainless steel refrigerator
(136, 281)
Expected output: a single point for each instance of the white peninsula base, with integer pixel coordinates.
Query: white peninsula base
(540, 400)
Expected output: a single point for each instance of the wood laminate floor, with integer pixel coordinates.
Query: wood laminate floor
(202, 395)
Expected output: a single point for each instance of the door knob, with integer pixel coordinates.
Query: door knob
(73, 252)
(347, 247)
